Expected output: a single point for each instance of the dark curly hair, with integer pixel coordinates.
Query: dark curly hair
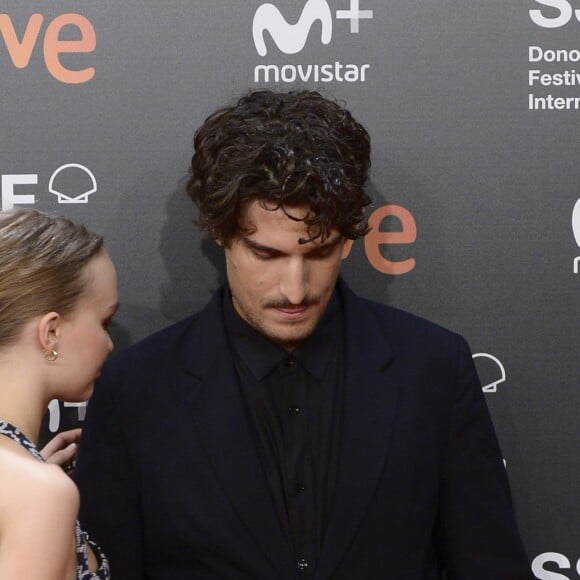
(285, 150)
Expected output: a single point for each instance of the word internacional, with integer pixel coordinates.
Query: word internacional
(20, 50)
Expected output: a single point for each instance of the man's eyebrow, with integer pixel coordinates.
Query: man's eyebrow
(260, 247)
(329, 243)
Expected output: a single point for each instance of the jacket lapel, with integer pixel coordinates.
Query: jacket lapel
(220, 416)
(369, 415)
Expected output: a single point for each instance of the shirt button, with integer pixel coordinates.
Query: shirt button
(300, 487)
(294, 410)
(302, 564)
(289, 362)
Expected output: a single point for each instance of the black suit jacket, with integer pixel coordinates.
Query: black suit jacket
(172, 486)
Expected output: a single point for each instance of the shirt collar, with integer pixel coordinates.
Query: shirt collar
(261, 355)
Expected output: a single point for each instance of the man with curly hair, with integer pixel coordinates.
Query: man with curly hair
(292, 429)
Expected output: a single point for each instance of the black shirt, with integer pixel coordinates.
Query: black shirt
(294, 401)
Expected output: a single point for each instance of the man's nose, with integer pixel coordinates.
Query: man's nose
(294, 281)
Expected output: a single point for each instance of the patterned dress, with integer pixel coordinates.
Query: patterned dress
(83, 572)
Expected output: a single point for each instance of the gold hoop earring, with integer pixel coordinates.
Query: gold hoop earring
(50, 355)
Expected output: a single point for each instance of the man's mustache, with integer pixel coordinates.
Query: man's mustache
(285, 303)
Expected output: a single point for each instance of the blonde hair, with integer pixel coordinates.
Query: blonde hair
(42, 258)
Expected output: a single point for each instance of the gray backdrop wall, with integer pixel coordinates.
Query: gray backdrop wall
(473, 109)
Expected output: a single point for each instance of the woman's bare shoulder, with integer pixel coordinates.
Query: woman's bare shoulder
(28, 485)
(38, 507)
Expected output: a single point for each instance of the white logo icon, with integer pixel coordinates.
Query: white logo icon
(491, 385)
(291, 38)
(79, 198)
(54, 413)
(576, 222)
(355, 15)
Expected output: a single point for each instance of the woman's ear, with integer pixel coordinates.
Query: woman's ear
(49, 329)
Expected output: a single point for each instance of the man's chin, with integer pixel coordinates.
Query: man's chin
(289, 335)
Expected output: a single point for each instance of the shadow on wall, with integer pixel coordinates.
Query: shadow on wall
(357, 268)
(195, 266)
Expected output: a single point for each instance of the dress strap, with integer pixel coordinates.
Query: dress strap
(15, 434)
(81, 537)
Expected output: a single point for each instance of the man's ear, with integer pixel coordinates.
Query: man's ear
(346, 248)
(49, 329)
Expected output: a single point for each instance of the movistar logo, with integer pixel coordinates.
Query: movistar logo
(291, 38)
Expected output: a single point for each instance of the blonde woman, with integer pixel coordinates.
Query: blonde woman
(58, 293)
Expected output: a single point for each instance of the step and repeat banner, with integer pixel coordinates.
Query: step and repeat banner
(474, 113)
